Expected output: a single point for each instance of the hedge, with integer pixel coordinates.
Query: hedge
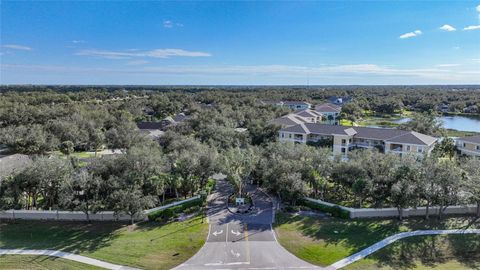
(336, 211)
(168, 213)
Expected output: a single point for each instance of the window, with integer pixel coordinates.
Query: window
(290, 136)
(478, 147)
(344, 141)
(420, 150)
(283, 135)
(464, 145)
(343, 149)
(408, 147)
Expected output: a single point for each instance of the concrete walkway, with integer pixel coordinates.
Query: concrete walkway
(64, 255)
(387, 241)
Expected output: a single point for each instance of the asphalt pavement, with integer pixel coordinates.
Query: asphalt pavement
(242, 241)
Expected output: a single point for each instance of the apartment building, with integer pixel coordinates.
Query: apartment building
(298, 117)
(469, 146)
(331, 113)
(345, 139)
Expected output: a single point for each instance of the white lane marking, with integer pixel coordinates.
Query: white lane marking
(232, 263)
(226, 238)
(237, 233)
(217, 233)
(259, 268)
(209, 231)
(236, 254)
(273, 232)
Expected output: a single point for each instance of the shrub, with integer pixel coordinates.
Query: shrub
(335, 211)
(166, 214)
(210, 186)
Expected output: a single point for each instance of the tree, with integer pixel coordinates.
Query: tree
(445, 148)
(426, 123)
(83, 193)
(471, 183)
(351, 111)
(130, 200)
(440, 183)
(404, 191)
(67, 148)
(42, 180)
(238, 164)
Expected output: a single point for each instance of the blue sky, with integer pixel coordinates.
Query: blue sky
(323, 42)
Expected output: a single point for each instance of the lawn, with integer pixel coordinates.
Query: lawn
(41, 262)
(150, 245)
(325, 241)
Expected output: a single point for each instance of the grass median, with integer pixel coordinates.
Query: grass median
(149, 245)
(323, 241)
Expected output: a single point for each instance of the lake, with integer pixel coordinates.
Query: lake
(461, 123)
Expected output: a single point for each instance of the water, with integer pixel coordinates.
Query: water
(461, 123)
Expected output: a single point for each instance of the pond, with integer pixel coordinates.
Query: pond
(461, 123)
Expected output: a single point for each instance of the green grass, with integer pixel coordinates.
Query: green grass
(41, 263)
(325, 241)
(458, 133)
(426, 252)
(150, 245)
(77, 154)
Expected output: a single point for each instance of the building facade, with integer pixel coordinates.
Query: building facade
(344, 139)
(330, 112)
(469, 146)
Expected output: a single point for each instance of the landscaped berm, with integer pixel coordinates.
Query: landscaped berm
(323, 241)
(149, 245)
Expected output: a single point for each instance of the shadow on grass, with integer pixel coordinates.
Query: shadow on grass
(73, 237)
(359, 234)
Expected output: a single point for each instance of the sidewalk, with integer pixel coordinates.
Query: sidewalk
(65, 255)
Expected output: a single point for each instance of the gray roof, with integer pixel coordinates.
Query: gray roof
(471, 139)
(13, 164)
(307, 113)
(384, 134)
(327, 107)
(289, 120)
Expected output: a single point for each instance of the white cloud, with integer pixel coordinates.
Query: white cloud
(171, 24)
(471, 27)
(75, 41)
(137, 63)
(447, 65)
(448, 28)
(17, 47)
(478, 8)
(132, 53)
(411, 34)
(275, 72)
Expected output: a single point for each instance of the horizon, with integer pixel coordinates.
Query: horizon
(240, 43)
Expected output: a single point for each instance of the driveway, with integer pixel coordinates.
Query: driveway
(242, 241)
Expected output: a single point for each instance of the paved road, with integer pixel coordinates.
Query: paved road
(242, 241)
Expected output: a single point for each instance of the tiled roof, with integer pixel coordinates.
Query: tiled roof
(390, 135)
(289, 120)
(327, 107)
(308, 113)
(471, 139)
